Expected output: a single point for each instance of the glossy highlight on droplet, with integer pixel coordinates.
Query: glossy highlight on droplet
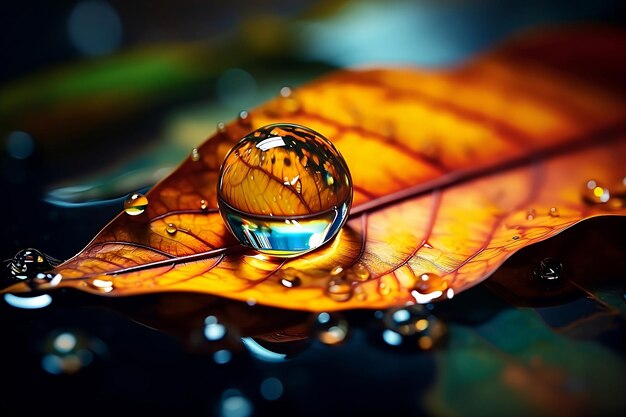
(171, 228)
(274, 193)
(195, 155)
(135, 204)
(549, 269)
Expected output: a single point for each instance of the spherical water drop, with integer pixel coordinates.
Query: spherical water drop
(135, 204)
(171, 228)
(203, 205)
(554, 212)
(27, 263)
(272, 191)
(549, 269)
(359, 272)
(244, 119)
(339, 289)
(221, 127)
(195, 155)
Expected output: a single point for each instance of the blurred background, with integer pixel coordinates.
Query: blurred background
(101, 98)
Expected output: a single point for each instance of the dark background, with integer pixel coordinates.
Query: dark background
(149, 356)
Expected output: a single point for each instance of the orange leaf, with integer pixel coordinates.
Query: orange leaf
(453, 172)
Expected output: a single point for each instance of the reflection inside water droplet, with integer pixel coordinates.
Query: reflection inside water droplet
(135, 204)
(273, 193)
(171, 228)
(549, 269)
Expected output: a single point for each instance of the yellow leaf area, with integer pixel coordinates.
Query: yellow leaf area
(453, 172)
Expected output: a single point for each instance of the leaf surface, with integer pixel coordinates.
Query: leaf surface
(453, 172)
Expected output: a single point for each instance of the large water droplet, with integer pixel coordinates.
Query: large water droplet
(331, 329)
(27, 263)
(273, 193)
(135, 204)
(549, 269)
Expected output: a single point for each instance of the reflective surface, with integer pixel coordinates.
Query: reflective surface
(284, 190)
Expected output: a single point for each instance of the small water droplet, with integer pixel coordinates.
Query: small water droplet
(339, 289)
(428, 283)
(331, 329)
(288, 101)
(383, 287)
(554, 212)
(549, 269)
(359, 272)
(531, 214)
(413, 326)
(203, 205)
(337, 271)
(290, 281)
(244, 119)
(359, 293)
(135, 204)
(195, 155)
(171, 228)
(221, 127)
(101, 285)
(516, 237)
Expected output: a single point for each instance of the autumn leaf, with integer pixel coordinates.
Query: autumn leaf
(453, 171)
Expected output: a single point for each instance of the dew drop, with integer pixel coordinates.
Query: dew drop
(101, 285)
(331, 329)
(288, 101)
(531, 214)
(290, 281)
(337, 271)
(221, 127)
(195, 155)
(359, 272)
(359, 293)
(428, 283)
(171, 228)
(516, 237)
(549, 269)
(244, 119)
(135, 204)
(203, 205)
(554, 212)
(339, 289)
(300, 220)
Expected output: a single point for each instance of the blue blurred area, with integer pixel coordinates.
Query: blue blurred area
(343, 33)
